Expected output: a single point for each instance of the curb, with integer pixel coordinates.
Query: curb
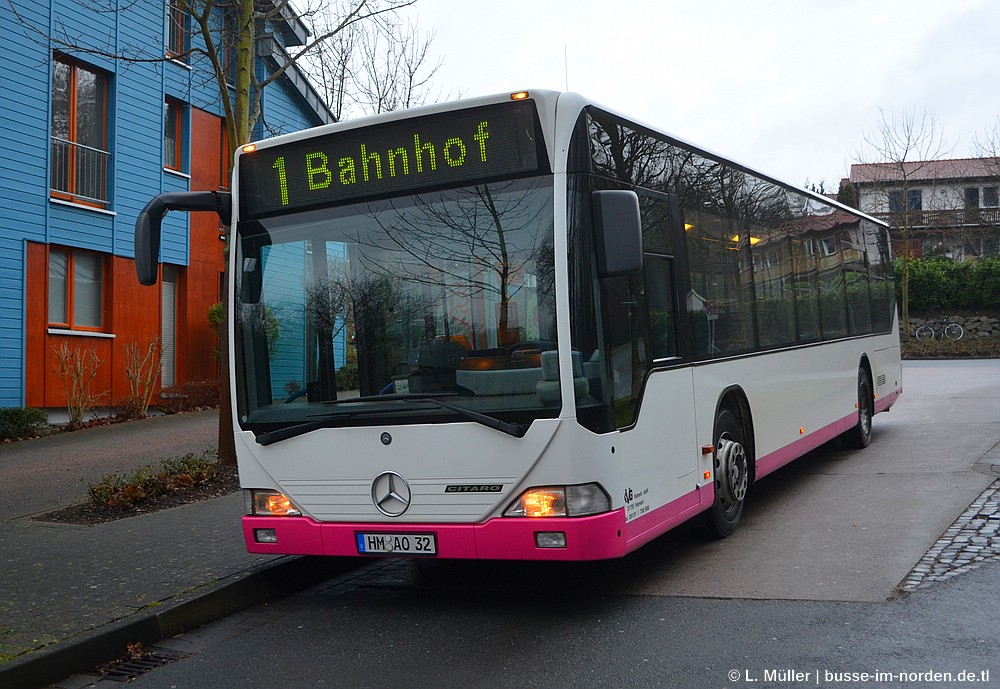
(109, 642)
(989, 463)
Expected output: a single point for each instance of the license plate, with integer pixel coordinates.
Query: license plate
(397, 544)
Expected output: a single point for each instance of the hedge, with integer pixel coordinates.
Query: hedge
(942, 283)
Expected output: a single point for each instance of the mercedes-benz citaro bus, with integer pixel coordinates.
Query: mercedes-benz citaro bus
(529, 327)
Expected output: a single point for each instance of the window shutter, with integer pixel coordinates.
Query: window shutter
(168, 328)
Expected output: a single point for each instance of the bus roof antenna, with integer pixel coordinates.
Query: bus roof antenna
(566, 64)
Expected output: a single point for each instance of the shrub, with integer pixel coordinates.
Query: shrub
(347, 377)
(144, 483)
(191, 396)
(78, 368)
(22, 422)
(141, 370)
(215, 323)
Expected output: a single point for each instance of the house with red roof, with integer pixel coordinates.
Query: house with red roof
(946, 207)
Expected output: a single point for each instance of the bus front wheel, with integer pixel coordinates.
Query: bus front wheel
(732, 474)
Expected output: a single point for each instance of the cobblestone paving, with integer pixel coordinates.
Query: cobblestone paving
(973, 539)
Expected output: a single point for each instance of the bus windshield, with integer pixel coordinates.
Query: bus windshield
(440, 294)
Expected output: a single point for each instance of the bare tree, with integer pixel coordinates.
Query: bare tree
(375, 67)
(986, 144)
(895, 157)
(986, 147)
(240, 29)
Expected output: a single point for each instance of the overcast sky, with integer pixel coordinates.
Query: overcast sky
(788, 87)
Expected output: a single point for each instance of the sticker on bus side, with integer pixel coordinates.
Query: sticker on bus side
(635, 503)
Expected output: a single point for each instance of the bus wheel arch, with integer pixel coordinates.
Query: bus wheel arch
(733, 462)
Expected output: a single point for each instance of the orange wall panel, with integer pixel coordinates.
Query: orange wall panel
(36, 340)
(135, 320)
(132, 314)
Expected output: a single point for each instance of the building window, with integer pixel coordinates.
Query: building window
(914, 200)
(173, 136)
(971, 198)
(895, 200)
(177, 29)
(828, 246)
(990, 197)
(79, 134)
(76, 289)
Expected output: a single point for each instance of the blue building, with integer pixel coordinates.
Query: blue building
(102, 106)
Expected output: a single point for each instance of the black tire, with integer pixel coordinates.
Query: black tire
(860, 436)
(731, 473)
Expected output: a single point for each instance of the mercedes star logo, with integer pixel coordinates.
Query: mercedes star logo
(391, 494)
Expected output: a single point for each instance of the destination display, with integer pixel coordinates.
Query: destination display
(448, 149)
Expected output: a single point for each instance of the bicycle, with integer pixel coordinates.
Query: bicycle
(948, 330)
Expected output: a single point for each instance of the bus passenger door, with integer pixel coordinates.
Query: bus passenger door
(661, 462)
(669, 393)
(665, 433)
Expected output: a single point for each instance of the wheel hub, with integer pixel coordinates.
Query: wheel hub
(731, 470)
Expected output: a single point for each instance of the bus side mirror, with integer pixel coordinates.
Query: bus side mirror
(148, 224)
(147, 245)
(618, 233)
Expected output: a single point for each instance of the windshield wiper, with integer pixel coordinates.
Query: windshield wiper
(515, 429)
(509, 427)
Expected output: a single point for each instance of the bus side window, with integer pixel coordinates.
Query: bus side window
(659, 274)
(720, 304)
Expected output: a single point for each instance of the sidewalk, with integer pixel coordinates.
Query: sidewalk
(72, 597)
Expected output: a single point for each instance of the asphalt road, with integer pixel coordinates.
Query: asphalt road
(404, 624)
(805, 594)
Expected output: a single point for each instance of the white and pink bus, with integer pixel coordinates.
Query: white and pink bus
(527, 327)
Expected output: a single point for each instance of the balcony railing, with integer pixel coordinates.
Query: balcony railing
(941, 219)
(80, 172)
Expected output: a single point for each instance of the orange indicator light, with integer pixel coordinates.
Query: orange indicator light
(802, 431)
(274, 504)
(278, 504)
(540, 504)
(707, 475)
(249, 148)
(519, 95)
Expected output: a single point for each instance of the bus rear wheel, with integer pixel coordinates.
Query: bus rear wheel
(731, 475)
(860, 436)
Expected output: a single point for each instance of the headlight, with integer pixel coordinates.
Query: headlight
(560, 501)
(269, 503)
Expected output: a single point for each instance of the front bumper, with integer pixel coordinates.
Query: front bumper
(598, 537)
